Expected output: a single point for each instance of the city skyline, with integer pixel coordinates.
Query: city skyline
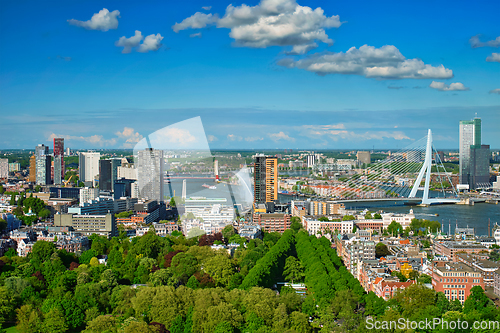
(107, 75)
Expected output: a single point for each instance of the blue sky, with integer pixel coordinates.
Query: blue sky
(270, 74)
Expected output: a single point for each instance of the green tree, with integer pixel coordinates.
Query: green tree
(348, 218)
(394, 228)
(323, 219)
(102, 324)
(29, 319)
(377, 216)
(228, 231)
(42, 251)
(381, 250)
(55, 322)
(220, 268)
(3, 225)
(294, 271)
(184, 265)
(44, 213)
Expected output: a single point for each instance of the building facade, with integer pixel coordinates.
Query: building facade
(150, 173)
(59, 170)
(103, 225)
(455, 280)
(43, 165)
(364, 157)
(88, 167)
(4, 168)
(265, 179)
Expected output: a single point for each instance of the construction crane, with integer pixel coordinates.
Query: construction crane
(66, 182)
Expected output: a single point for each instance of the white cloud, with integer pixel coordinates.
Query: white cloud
(475, 42)
(441, 86)
(129, 43)
(339, 132)
(174, 135)
(270, 23)
(93, 139)
(212, 138)
(150, 43)
(495, 91)
(104, 20)
(206, 7)
(385, 62)
(197, 21)
(198, 34)
(233, 137)
(253, 138)
(280, 136)
(494, 57)
(129, 134)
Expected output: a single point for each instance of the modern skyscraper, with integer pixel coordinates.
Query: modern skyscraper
(58, 160)
(474, 157)
(150, 174)
(108, 173)
(43, 164)
(88, 167)
(4, 167)
(32, 174)
(265, 179)
(311, 161)
(364, 157)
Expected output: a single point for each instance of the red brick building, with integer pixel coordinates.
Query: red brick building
(388, 289)
(271, 222)
(449, 249)
(455, 280)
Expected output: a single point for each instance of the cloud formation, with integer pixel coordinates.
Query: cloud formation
(475, 42)
(385, 62)
(206, 7)
(280, 136)
(104, 20)
(495, 91)
(233, 137)
(198, 34)
(197, 21)
(129, 134)
(212, 138)
(93, 139)
(494, 57)
(150, 43)
(253, 138)
(270, 23)
(441, 86)
(339, 132)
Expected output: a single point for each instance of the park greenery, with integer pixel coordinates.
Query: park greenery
(179, 284)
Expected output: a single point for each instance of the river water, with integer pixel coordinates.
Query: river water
(476, 216)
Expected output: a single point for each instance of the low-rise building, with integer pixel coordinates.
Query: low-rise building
(487, 268)
(455, 280)
(103, 225)
(315, 227)
(449, 249)
(73, 244)
(161, 229)
(250, 231)
(387, 288)
(272, 222)
(403, 219)
(24, 246)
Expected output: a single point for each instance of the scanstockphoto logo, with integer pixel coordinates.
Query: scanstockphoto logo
(431, 324)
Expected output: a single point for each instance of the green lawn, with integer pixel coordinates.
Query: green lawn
(11, 329)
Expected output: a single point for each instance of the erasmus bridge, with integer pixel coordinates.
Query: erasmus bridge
(415, 174)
